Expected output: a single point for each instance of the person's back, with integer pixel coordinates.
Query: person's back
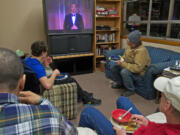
(18, 118)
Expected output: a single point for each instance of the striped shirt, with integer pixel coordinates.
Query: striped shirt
(23, 119)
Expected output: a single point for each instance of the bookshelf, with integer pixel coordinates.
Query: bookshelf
(107, 28)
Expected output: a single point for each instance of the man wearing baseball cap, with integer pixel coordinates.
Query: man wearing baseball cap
(132, 69)
(169, 106)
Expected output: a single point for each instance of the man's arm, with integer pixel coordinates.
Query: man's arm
(67, 23)
(68, 128)
(47, 83)
(81, 23)
(29, 97)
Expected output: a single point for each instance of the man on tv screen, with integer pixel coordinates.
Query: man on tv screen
(73, 21)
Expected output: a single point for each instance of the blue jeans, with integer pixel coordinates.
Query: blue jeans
(94, 119)
(124, 77)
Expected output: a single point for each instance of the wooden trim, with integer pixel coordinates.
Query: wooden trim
(107, 17)
(106, 30)
(100, 56)
(108, 1)
(106, 43)
(158, 41)
(73, 56)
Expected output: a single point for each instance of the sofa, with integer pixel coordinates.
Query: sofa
(160, 59)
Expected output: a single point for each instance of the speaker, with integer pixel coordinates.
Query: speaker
(70, 44)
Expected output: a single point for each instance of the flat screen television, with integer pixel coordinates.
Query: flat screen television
(69, 16)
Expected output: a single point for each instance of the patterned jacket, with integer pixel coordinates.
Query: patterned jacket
(41, 119)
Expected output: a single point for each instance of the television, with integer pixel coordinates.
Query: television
(69, 16)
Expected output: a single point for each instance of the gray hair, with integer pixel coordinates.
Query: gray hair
(11, 69)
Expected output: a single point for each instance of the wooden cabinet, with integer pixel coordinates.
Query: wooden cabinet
(107, 28)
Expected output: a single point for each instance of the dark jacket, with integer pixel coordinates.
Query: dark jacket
(68, 22)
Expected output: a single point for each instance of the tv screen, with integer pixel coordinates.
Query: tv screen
(69, 16)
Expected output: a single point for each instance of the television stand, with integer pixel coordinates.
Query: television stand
(72, 56)
(75, 64)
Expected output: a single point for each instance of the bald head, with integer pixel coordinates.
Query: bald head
(11, 69)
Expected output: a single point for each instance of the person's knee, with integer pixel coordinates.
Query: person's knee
(124, 72)
(121, 100)
(115, 69)
(88, 110)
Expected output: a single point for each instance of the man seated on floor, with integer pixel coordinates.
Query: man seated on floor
(25, 112)
(133, 66)
(39, 54)
(169, 105)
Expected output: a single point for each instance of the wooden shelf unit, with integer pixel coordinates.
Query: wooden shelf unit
(106, 43)
(114, 22)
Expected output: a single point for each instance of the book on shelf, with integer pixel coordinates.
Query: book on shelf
(101, 48)
(105, 37)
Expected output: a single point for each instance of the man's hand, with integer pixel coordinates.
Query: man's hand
(29, 97)
(47, 61)
(119, 62)
(56, 72)
(139, 119)
(119, 131)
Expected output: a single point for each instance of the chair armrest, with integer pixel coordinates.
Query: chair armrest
(159, 67)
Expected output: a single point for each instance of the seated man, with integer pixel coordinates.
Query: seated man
(25, 112)
(39, 54)
(169, 105)
(136, 60)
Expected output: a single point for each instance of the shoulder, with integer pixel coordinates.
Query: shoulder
(28, 60)
(25, 112)
(141, 49)
(36, 119)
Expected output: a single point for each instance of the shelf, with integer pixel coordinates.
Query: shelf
(73, 56)
(113, 34)
(100, 56)
(107, 30)
(107, 43)
(104, 1)
(107, 17)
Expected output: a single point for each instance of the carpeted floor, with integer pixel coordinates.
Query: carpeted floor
(98, 84)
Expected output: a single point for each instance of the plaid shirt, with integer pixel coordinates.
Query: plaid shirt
(42, 119)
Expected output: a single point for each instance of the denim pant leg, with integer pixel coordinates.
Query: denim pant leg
(116, 76)
(127, 78)
(125, 103)
(94, 119)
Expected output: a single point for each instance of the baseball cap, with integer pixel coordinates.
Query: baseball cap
(170, 88)
(135, 37)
